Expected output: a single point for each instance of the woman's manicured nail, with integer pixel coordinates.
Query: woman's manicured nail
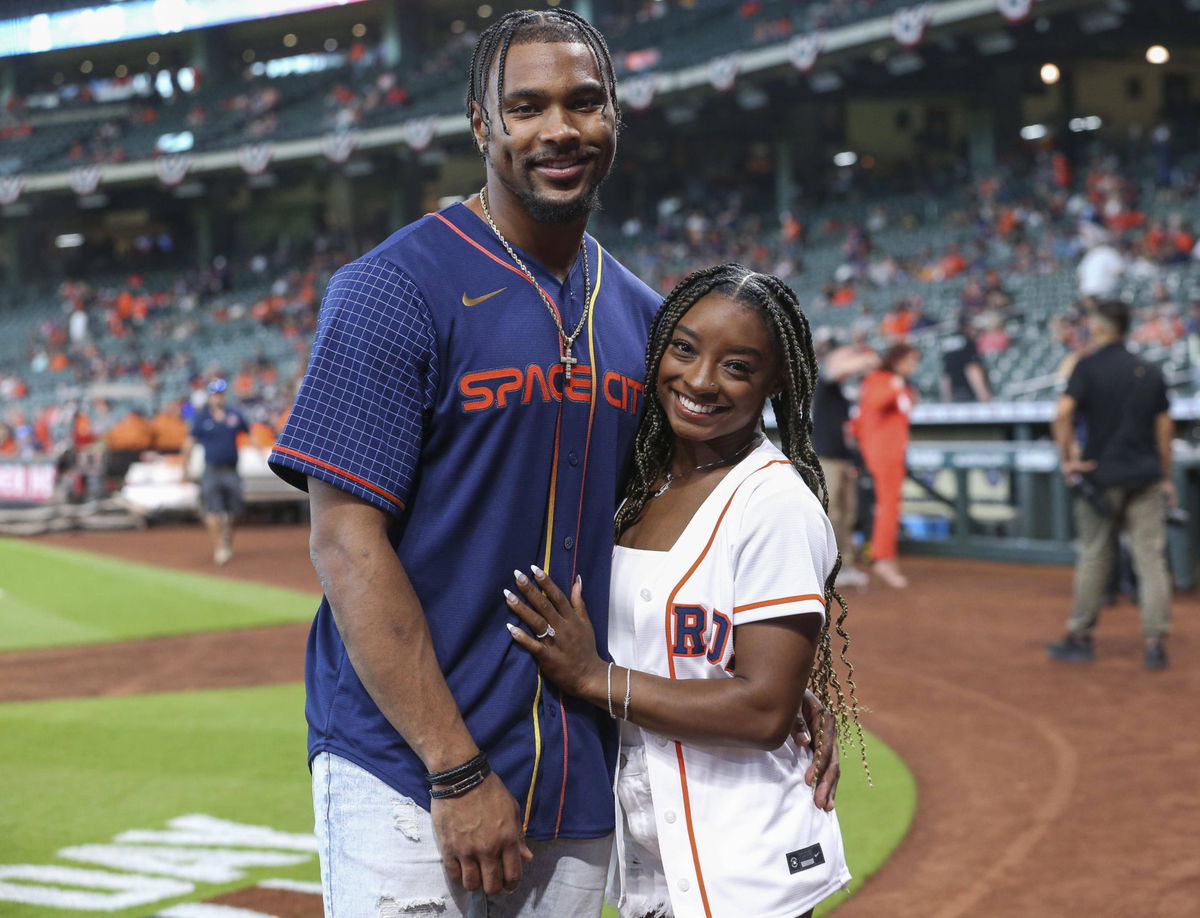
(521, 578)
(511, 597)
(537, 572)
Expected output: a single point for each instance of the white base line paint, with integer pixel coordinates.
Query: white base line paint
(197, 829)
(209, 910)
(127, 889)
(200, 865)
(300, 886)
(193, 848)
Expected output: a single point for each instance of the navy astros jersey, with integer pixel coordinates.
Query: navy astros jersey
(435, 392)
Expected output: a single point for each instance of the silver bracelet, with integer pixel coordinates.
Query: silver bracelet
(628, 676)
(610, 710)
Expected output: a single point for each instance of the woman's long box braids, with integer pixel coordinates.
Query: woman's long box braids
(776, 302)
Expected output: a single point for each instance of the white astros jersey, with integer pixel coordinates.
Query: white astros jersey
(739, 834)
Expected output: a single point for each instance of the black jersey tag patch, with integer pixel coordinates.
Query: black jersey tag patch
(812, 856)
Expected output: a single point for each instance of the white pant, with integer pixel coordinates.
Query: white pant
(379, 859)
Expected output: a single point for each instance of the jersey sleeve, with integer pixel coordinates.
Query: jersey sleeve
(782, 554)
(358, 419)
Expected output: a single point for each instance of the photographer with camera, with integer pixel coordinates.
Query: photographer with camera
(1120, 476)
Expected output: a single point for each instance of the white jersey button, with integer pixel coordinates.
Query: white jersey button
(684, 885)
(646, 595)
(669, 816)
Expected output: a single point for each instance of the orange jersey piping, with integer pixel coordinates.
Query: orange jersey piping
(333, 468)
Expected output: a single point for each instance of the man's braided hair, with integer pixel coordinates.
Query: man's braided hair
(655, 442)
(533, 26)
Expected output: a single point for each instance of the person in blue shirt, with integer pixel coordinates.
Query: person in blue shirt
(216, 428)
(468, 409)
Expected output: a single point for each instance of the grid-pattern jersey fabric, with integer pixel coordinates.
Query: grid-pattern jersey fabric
(436, 393)
(358, 416)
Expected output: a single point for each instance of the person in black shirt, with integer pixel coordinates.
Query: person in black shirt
(964, 378)
(1121, 475)
(831, 413)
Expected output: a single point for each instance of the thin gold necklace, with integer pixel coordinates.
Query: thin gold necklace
(568, 359)
(671, 476)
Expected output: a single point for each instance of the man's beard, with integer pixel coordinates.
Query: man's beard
(544, 211)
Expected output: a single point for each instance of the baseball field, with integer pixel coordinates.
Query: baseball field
(151, 735)
(142, 800)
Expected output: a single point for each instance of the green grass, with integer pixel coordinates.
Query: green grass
(83, 771)
(53, 597)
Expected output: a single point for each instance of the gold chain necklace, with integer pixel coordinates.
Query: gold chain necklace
(671, 476)
(568, 360)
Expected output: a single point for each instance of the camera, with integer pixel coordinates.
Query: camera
(1177, 516)
(1084, 488)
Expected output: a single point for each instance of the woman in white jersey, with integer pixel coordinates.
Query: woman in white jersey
(721, 581)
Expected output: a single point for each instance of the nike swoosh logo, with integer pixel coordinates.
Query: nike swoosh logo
(476, 300)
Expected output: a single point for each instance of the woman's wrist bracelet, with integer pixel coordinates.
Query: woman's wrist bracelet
(610, 708)
(450, 775)
(628, 677)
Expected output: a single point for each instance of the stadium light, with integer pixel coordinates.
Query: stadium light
(68, 241)
(152, 58)
(484, 11)
(1157, 54)
(175, 143)
(359, 30)
(457, 27)
(848, 158)
(289, 40)
(85, 67)
(1050, 74)
(1034, 132)
(1090, 123)
(331, 45)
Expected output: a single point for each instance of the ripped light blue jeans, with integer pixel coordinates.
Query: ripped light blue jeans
(379, 859)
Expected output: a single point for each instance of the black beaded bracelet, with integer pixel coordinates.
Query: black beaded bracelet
(458, 771)
(462, 785)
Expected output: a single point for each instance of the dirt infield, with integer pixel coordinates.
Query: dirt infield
(1045, 790)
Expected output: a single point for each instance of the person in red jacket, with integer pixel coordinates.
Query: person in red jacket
(884, 405)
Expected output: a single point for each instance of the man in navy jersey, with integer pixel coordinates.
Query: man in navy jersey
(216, 428)
(473, 392)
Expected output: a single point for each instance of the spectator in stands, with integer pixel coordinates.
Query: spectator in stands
(216, 428)
(884, 406)
(993, 337)
(1121, 476)
(169, 431)
(1100, 270)
(964, 377)
(832, 440)
(125, 442)
(898, 323)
